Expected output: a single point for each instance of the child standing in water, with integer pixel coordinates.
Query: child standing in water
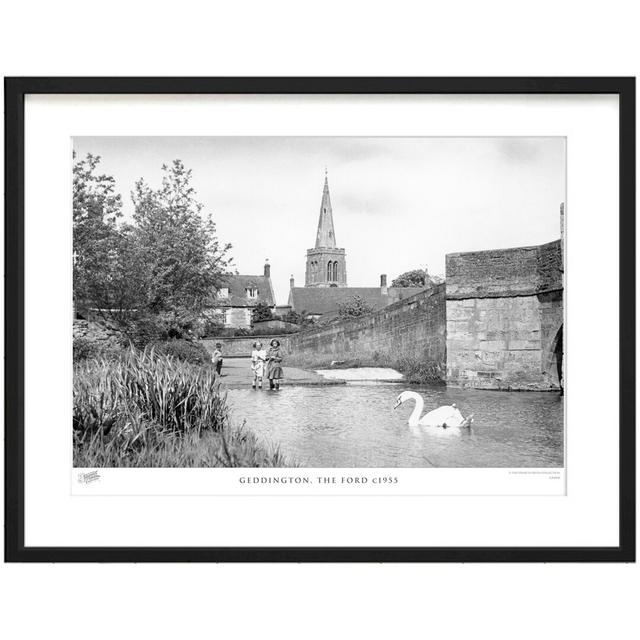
(258, 361)
(274, 366)
(216, 358)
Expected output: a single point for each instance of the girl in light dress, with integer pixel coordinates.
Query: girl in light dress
(258, 360)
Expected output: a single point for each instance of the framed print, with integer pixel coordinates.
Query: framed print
(320, 319)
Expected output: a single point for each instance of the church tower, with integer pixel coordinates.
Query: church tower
(326, 263)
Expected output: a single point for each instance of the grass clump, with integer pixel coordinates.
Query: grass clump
(185, 350)
(231, 447)
(417, 372)
(150, 409)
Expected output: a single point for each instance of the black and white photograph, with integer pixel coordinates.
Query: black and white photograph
(318, 302)
(320, 320)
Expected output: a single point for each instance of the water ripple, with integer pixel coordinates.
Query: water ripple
(356, 426)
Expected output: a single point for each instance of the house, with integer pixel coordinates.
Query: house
(239, 294)
(325, 302)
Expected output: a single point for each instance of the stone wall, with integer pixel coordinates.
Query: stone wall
(96, 340)
(274, 327)
(505, 318)
(550, 267)
(486, 273)
(504, 272)
(97, 332)
(412, 328)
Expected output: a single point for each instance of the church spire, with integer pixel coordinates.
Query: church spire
(326, 236)
(326, 263)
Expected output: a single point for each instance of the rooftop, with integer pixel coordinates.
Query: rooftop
(238, 285)
(322, 300)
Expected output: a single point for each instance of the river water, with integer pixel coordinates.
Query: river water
(355, 425)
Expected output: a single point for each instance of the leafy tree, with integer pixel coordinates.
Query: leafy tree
(292, 317)
(307, 319)
(354, 308)
(155, 275)
(414, 278)
(262, 311)
(102, 276)
(96, 206)
(182, 262)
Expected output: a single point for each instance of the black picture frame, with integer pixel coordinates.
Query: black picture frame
(15, 91)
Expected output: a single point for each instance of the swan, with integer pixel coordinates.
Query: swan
(447, 417)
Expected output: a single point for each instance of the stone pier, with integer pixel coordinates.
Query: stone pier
(505, 318)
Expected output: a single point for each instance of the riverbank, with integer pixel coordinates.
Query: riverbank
(233, 447)
(143, 409)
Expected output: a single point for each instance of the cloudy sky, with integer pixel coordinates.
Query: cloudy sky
(398, 203)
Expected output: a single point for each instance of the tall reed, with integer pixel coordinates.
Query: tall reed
(153, 410)
(156, 388)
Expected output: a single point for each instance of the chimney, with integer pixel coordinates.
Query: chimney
(383, 284)
(267, 269)
(291, 282)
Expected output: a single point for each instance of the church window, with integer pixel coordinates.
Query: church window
(329, 270)
(335, 270)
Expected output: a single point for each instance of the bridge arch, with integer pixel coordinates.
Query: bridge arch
(553, 358)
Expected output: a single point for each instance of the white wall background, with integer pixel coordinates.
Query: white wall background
(328, 38)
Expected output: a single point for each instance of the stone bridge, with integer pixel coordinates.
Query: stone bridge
(505, 318)
(497, 323)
